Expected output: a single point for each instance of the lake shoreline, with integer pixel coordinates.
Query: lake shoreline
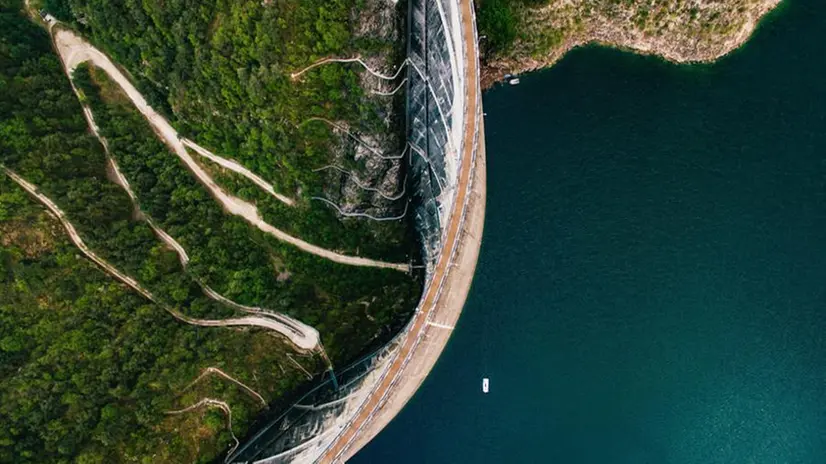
(650, 287)
(612, 35)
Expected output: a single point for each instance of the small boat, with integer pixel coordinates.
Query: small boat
(514, 81)
(485, 385)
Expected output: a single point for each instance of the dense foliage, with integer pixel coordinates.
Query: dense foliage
(47, 141)
(235, 258)
(497, 22)
(87, 366)
(222, 71)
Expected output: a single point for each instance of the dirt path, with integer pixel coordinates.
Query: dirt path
(74, 236)
(292, 326)
(356, 59)
(237, 168)
(304, 340)
(74, 51)
(340, 449)
(219, 372)
(384, 77)
(213, 403)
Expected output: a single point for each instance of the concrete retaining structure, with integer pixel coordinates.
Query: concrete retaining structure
(447, 132)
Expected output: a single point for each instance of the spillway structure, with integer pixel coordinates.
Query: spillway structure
(437, 120)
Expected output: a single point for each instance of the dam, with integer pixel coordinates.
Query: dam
(445, 134)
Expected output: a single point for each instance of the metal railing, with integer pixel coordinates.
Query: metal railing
(451, 257)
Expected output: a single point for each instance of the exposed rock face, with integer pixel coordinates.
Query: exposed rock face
(378, 23)
(677, 30)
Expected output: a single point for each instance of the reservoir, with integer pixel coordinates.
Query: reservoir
(652, 281)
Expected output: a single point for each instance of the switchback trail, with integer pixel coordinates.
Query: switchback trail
(74, 50)
(304, 341)
(213, 403)
(237, 168)
(291, 326)
(219, 372)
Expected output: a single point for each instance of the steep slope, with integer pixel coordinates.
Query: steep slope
(221, 72)
(96, 371)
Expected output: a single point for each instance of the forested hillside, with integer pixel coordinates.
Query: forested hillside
(221, 70)
(234, 258)
(90, 370)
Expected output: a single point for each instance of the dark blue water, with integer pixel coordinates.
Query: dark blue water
(652, 283)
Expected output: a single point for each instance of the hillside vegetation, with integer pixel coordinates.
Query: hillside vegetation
(89, 369)
(234, 258)
(529, 34)
(221, 70)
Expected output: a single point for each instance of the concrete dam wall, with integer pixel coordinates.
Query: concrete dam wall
(436, 119)
(435, 107)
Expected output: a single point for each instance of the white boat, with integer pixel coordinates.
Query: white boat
(514, 81)
(485, 385)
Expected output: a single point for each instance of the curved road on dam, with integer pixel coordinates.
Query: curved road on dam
(395, 382)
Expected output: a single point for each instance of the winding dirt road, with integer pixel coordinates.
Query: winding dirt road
(219, 372)
(237, 168)
(74, 50)
(308, 340)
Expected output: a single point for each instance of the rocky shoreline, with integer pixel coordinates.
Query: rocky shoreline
(690, 32)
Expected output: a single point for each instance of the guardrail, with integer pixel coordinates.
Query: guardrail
(452, 255)
(405, 332)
